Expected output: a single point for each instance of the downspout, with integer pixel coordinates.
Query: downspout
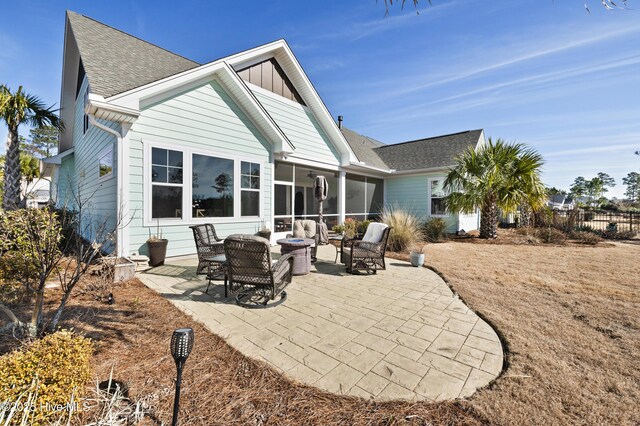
(121, 222)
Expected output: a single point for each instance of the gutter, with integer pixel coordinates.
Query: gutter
(122, 145)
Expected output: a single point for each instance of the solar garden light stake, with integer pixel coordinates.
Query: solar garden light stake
(181, 346)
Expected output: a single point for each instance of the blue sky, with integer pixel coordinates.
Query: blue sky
(545, 73)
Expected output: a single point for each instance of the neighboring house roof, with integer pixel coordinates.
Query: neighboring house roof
(438, 151)
(115, 61)
(363, 147)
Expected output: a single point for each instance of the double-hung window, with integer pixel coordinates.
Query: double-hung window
(249, 189)
(167, 188)
(437, 197)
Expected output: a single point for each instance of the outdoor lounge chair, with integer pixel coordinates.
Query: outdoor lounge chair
(307, 228)
(368, 253)
(252, 274)
(207, 244)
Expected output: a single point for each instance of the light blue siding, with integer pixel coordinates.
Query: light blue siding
(204, 119)
(301, 127)
(79, 177)
(411, 192)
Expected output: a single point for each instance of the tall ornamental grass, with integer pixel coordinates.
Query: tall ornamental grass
(406, 228)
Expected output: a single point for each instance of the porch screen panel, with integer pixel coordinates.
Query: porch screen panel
(212, 186)
(374, 197)
(354, 200)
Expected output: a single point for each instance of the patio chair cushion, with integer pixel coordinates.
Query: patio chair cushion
(304, 228)
(374, 232)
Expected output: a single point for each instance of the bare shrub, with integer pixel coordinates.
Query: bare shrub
(586, 237)
(434, 229)
(551, 235)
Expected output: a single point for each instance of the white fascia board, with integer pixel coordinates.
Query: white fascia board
(57, 159)
(362, 165)
(221, 71)
(282, 53)
(95, 105)
(420, 171)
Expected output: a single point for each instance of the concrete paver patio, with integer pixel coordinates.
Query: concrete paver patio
(400, 334)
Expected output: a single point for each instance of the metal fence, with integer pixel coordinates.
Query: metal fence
(602, 220)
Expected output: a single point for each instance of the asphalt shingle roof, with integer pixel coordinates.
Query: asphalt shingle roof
(363, 147)
(115, 61)
(438, 151)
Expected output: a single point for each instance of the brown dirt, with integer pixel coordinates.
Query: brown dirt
(568, 317)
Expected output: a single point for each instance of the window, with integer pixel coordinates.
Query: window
(166, 183)
(197, 186)
(437, 198)
(212, 186)
(85, 119)
(105, 163)
(249, 189)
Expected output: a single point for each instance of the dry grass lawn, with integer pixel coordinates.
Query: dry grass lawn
(568, 316)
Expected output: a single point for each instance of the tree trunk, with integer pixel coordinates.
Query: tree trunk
(489, 220)
(11, 200)
(58, 313)
(525, 216)
(36, 316)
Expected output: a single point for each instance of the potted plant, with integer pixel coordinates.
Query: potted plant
(157, 248)
(265, 232)
(416, 256)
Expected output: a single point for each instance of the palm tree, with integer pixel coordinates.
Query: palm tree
(498, 175)
(16, 109)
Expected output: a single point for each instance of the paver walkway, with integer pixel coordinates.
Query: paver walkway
(400, 334)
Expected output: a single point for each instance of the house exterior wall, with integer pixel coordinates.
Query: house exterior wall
(299, 125)
(411, 192)
(79, 175)
(203, 120)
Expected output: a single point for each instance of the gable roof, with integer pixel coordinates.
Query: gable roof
(115, 61)
(435, 152)
(363, 147)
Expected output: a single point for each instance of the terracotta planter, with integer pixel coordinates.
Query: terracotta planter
(157, 252)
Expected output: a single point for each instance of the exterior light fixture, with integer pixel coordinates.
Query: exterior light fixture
(181, 346)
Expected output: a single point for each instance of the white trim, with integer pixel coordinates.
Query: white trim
(276, 97)
(429, 195)
(187, 188)
(57, 159)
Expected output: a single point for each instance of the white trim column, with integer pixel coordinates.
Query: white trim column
(341, 196)
(123, 247)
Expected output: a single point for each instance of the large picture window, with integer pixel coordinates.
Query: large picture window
(212, 186)
(437, 198)
(166, 183)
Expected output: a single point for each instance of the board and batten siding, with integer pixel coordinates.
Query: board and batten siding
(411, 193)
(204, 119)
(300, 126)
(79, 176)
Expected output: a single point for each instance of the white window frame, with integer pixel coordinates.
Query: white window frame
(259, 190)
(187, 190)
(101, 155)
(429, 189)
(86, 124)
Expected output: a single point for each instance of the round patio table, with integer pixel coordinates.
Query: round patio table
(300, 248)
